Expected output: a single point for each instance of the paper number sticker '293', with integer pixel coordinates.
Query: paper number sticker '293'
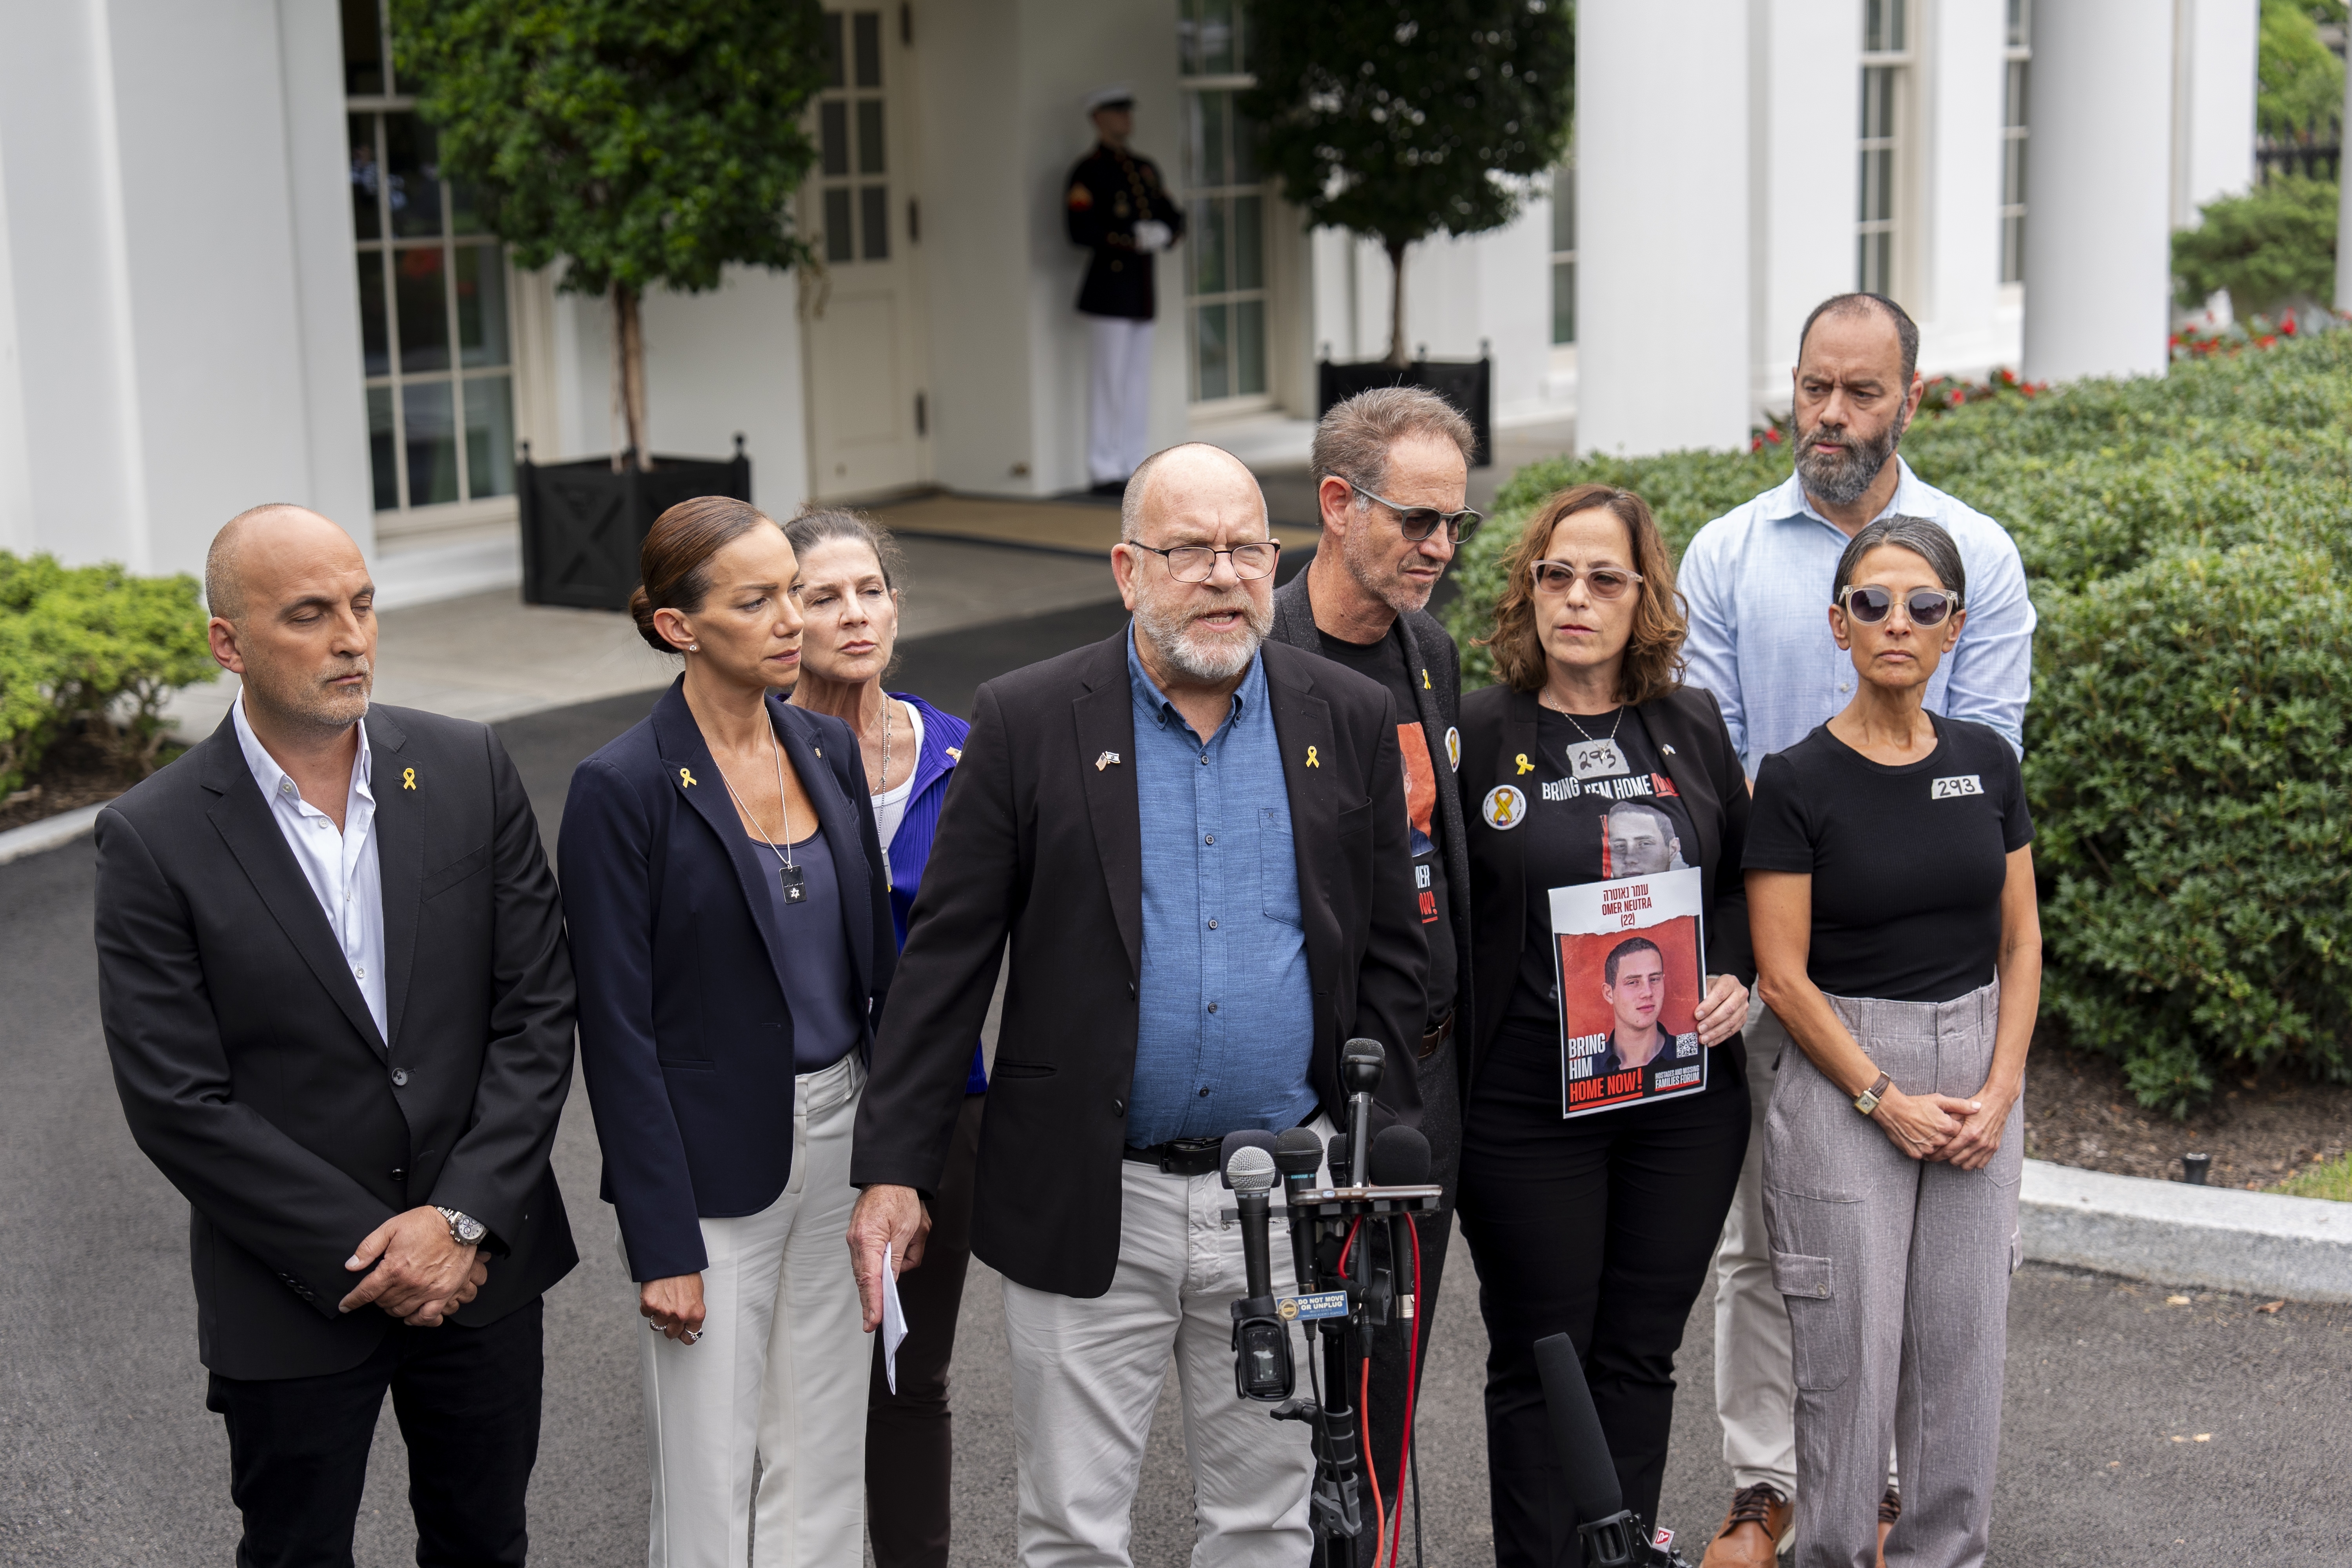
(1955, 787)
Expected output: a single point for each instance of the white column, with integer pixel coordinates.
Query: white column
(1663, 300)
(2215, 46)
(16, 460)
(1957, 286)
(2099, 245)
(1806, 80)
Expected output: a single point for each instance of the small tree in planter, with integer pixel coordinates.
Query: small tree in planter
(1401, 119)
(640, 142)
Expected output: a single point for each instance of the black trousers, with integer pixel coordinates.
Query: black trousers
(1599, 1227)
(911, 1435)
(467, 1401)
(1383, 1435)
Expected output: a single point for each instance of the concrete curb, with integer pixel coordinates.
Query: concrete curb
(2260, 1244)
(48, 833)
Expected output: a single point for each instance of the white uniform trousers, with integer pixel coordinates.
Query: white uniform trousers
(779, 1376)
(1754, 1387)
(1118, 401)
(1087, 1374)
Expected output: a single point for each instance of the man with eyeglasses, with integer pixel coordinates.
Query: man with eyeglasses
(1194, 841)
(1756, 581)
(1392, 471)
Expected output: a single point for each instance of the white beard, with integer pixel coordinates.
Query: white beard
(1205, 658)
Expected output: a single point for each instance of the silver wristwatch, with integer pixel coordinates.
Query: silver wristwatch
(464, 1228)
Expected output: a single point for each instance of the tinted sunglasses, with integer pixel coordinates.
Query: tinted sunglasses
(1418, 522)
(1869, 604)
(1601, 582)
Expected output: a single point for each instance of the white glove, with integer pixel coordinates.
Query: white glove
(1152, 235)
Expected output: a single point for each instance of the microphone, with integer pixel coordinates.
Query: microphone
(1299, 1155)
(1614, 1536)
(1262, 1368)
(1400, 1158)
(1361, 1063)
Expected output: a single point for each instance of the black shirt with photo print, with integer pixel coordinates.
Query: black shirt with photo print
(1569, 836)
(1907, 860)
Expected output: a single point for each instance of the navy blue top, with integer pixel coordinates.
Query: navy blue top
(812, 954)
(910, 846)
(1226, 1027)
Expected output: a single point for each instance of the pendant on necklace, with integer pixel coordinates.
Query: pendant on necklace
(794, 893)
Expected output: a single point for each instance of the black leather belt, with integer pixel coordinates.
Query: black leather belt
(1435, 1041)
(1180, 1156)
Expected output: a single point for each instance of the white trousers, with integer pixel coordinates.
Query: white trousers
(1755, 1377)
(1118, 401)
(1087, 1374)
(779, 1377)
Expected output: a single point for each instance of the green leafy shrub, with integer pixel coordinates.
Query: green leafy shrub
(94, 648)
(2273, 246)
(2188, 541)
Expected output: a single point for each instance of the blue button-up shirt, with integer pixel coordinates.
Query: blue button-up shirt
(1227, 1027)
(1758, 583)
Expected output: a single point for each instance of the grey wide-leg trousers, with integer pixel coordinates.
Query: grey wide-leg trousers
(1896, 1275)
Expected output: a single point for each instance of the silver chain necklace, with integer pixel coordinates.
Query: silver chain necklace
(1580, 730)
(793, 876)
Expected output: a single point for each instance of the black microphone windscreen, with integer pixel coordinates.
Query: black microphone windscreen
(1298, 1151)
(1400, 1158)
(1364, 1050)
(1590, 1473)
(1247, 1138)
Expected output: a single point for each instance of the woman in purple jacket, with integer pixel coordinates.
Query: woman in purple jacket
(849, 572)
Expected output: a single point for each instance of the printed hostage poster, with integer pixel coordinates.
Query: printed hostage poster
(1631, 967)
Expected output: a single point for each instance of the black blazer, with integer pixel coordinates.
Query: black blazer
(685, 1034)
(1038, 843)
(1497, 724)
(253, 1075)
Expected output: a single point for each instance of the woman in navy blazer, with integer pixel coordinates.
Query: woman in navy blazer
(731, 925)
(850, 570)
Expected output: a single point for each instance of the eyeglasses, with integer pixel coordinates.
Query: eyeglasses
(1869, 604)
(1198, 563)
(1603, 582)
(1418, 522)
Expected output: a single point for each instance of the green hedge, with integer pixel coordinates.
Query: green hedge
(94, 648)
(2187, 755)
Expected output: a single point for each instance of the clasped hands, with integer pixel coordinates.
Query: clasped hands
(416, 1269)
(1944, 1128)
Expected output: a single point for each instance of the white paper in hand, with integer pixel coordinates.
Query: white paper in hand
(894, 1320)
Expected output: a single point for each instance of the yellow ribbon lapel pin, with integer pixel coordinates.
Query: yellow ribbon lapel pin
(1310, 758)
(1524, 766)
(685, 778)
(408, 778)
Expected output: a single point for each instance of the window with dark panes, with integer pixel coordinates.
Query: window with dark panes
(434, 333)
(852, 153)
(2018, 61)
(1885, 84)
(1563, 252)
(1226, 200)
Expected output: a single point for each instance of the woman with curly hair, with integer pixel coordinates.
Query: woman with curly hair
(1590, 760)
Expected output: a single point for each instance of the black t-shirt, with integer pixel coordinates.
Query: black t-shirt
(1384, 661)
(1907, 861)
(1582, 830)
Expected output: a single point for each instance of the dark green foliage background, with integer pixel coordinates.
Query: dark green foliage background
(1391, 117)
(2272, 247)
(646, 142)
(2187, 755)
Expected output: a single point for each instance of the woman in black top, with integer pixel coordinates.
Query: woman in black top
(1890, 887)
(1592, 761)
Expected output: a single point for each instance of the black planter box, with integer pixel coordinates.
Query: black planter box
(583, 524)
(1467, 384)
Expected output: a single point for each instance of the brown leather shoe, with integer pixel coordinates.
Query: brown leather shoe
(1890, 1508)
(1753, 1532)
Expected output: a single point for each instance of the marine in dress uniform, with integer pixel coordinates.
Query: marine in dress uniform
(1118, 207)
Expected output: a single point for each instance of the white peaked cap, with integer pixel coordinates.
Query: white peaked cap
(1108, 97)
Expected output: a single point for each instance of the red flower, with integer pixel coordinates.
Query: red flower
(1773, 436)
(2289, 328)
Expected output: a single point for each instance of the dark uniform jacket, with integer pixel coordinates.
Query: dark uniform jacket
(252, 1072)
(1109, 193)
(1041, 844)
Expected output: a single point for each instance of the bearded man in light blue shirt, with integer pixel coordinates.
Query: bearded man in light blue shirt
(1756, 581)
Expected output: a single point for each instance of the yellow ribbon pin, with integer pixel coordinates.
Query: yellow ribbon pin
(408, 778)
(685, 778)
(1526, 767)
(1424, 681)
(1310, 758)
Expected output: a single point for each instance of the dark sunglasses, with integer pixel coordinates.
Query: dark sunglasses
(1869, 604)
(1418, 522)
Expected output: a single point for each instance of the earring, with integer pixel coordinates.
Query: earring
(694, 647)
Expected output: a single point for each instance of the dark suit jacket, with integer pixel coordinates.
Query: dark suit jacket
(1109, 193)
(253, 1075)
(1040, 845)
(685, 1032)
(1430, 652)
(1497, 724)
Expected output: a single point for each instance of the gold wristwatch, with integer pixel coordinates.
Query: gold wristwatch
(1867, 1101)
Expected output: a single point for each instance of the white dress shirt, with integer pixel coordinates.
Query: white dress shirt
(1758, 579)
(341, 867)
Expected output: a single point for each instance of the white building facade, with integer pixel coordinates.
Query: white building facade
(229, 272)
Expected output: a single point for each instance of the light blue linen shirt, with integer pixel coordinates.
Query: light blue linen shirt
(1758, 579)
(1226, 1032)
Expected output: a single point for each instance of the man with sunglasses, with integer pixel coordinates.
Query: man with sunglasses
(1193, 841)
(1756, 581)
(1392, 470)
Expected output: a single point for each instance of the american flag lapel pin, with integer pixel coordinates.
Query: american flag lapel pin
(1106, 759)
